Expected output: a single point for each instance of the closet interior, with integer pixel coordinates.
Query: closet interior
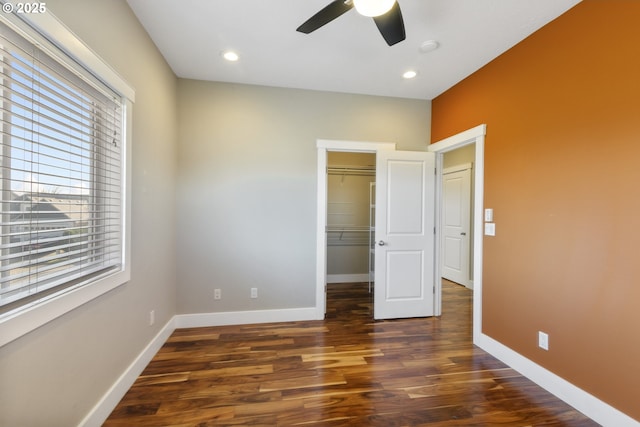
(350, 217)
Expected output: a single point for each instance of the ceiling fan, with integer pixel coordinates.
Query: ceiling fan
(385, 13)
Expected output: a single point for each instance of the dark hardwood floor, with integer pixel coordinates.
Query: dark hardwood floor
(344, 371)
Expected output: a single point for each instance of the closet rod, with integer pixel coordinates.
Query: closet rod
(354, 235)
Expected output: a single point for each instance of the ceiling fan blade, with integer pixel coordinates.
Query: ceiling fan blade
(391, 25)
(326, 15)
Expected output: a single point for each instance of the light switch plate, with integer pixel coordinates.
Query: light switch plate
(490, 229)
(488, 215)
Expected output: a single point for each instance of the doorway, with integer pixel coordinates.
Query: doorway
(404, 230)
(474, 135)
(457, 216)
(350, 184)
(324, 147)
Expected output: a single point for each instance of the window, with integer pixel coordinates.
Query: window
(62, 177)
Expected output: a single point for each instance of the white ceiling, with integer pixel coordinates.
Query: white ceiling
(348, 54)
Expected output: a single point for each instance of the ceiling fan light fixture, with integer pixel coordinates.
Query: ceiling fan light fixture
(373, 8)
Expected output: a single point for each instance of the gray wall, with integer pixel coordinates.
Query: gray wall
(56, 374)
(247, 185)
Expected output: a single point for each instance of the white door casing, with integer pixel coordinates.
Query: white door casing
(456, 223)
(323, 146)
(405, 240)
(475, 136)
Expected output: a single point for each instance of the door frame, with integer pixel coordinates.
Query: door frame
(323, 146)
(475, 136)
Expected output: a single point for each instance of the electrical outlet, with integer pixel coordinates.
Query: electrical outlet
(217, 294)
(254, 292)
(152, 317)
(543, 340)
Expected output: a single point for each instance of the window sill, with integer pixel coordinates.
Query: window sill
(20, 323)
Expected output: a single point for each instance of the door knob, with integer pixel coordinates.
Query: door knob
(463, 234)
(381, 243)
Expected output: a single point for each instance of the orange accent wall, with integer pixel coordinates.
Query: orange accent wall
(562, 173)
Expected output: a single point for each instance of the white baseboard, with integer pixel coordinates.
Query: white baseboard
(599, 411)
(347, 278)
(110, 400)
(245, 317)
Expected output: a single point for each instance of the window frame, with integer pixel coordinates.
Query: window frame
(53, 36)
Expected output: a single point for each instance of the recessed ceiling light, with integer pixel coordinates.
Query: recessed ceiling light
(230, 56)
(409, 74)
(428, 46)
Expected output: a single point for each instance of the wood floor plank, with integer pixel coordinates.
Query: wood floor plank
(347, 370)
(304, 381)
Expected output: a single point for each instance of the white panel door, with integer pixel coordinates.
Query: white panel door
(456, 223)
(404, 235)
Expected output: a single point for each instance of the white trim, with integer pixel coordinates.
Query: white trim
(591, 406)
(458, 140)
(224, 318)
(60, 35)
(324, 145)
(29, 319)
(321, 238)
(101, 411)
(474, 135)
(347, 278)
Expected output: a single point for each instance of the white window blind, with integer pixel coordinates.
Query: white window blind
(61, 175)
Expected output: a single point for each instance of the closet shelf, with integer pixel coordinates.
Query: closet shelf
(352, 170)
